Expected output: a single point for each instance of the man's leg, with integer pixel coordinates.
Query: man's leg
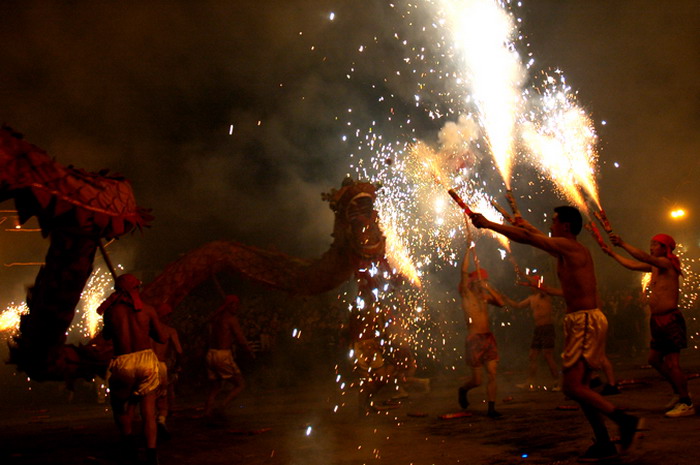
(656, 360)
(123, 415)
(238, 386)
(148, 416)
(671, 366)
(553, 368)
(491, 388)
(575, 386)
(214, 389)
(474, 381)
(532, 368)
(684, 406)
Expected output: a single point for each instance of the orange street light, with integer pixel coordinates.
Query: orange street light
(678, 214)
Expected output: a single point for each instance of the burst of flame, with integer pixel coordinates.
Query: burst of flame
(561, 139)
(398, 256)
(10, 317)
(483, 35)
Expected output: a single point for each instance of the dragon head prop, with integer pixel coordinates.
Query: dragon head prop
(356, 220)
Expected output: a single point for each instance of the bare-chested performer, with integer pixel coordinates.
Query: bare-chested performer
(544, 335)
(481, 350)
(224, 331)
(133, 372)
(169, 362)
(668, 330)
(585, 326)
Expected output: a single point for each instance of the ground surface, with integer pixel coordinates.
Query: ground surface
(297, 425)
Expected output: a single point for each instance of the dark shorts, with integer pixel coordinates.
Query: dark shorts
(668, 332)
(543, 337)
(481, 348)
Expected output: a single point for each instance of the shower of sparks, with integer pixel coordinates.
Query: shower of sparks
(459, 105)
(86, 322)
(483, 35)
(10, 317)
(561, 140)
(398, 256)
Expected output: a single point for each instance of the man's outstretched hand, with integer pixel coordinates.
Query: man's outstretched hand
(616, 239)
(478, 220)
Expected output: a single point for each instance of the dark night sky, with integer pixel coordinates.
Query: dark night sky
(149, 89)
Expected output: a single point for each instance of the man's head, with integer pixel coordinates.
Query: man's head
(662, 245)
(231, 303)
(128, 284)
(478, 275)
(566, 219)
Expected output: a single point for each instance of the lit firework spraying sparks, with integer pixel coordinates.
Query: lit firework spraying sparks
(86, 322)
(461, 65)
(10, 317)
(562, 142)
(483, 40)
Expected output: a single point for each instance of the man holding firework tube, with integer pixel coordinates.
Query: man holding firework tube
(585, 326)
(668, 329)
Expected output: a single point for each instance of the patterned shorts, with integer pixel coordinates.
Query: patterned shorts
(481, 348)
(668, 332)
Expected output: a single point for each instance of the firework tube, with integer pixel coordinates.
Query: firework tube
(603, 218)
(517, 269)
(595, 233)
(502, 211)
(108, 261)
(460, 202)
(511, 202)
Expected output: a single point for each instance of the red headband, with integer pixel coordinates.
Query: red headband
(481, 274)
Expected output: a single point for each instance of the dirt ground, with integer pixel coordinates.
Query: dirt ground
(300, 425)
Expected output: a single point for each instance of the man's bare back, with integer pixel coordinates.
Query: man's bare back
(576, 275)
(225, 330)
(132, 330)
(541, 306)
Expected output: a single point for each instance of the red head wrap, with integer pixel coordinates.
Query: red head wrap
(670, 244)
(230, 302)
(129, 284)
(479, 274)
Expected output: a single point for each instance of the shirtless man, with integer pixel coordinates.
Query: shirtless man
(224, 331)
(133, 371)
(481, 351)
(668, 330)
(540, 303)
(585, 326)
(169, 359)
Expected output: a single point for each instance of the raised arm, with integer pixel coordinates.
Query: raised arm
(495, 297)
(553, 291)
(515, 304)
(157, 331)
(647, 260)
(520, 234)
(626, 262)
